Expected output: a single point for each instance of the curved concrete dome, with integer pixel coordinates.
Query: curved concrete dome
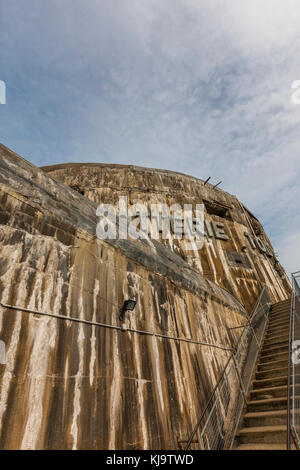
(78, 378)
(241, 261)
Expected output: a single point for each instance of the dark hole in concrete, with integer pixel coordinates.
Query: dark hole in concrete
(215, 208)
(76, 188)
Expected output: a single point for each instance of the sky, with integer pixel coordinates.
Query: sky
(201, 87)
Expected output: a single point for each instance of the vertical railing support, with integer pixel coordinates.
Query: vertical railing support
(288, 420)
(293, 411)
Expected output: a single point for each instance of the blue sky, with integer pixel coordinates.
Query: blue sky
(197, 86)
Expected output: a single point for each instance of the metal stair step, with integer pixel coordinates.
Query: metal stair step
(273, 381)
(258, 446)
(281, 318)
(280, 322)
(279, 344)
(280, 314)
(277, 328)
(273, 364)
(268, 392)
(285, 307)
(276, 339)
(274, 348)
(271, 373)
(274, 357)
(281, 302)
(280, 305)
(265, 418)
(268, 404)
(275, 434)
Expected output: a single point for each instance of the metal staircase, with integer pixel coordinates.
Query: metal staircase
(264, 422)
(217, 426)
(252, 407)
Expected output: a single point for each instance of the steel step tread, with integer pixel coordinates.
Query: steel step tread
(283, 312)
(271, 347)
(275, 369)
(257, 446)
(282, 301)
(280, 322)
(277, 324)
(278, 332)
(264, 429)
(263, 364)
(276, 354)
(281, 363)
(279, 317)
(280, 305)
(263, 381)
(261, 414)
(268, 371)
(285, 306)
(276, 329)
(268, 389)
(279, 338)
(276, 349)
(273, 321)
(267, 400)
(281, 308)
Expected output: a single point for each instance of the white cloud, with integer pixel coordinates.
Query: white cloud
(289, 252)
(201, 87)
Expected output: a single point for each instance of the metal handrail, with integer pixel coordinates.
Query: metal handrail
(288, 420)
(208, 403)
(258, 301)
(291, 323)
(232, 356)
(234, 298)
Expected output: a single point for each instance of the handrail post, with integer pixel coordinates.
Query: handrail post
(292, 425)
(288, 436)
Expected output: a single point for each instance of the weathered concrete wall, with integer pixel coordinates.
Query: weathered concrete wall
(106, 183)
(75, 385)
